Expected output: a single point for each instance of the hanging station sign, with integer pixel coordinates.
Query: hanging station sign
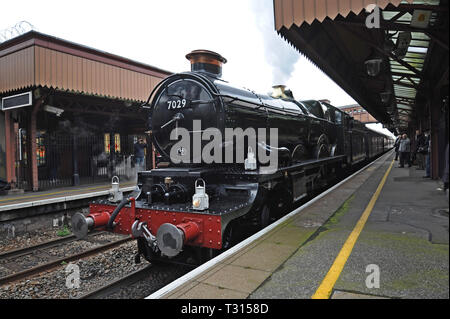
(16, 101)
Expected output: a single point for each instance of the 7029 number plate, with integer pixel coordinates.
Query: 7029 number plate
(177, 104)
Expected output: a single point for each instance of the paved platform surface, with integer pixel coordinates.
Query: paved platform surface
(405, 238)
(15, 201)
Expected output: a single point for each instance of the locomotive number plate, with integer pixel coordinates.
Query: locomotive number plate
(177, 104)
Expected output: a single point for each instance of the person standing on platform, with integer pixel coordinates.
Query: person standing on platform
(396, 145)
(421, 149)
(139, 153)
(405, 150)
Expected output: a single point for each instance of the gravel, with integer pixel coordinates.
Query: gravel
(95, 272)
(160, 277)
(28, 239)
(44, 255)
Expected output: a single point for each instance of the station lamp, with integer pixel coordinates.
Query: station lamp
(385, 96)
(373, 66)
(420, 18)
(403, 41)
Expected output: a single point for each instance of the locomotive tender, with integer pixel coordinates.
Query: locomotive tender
(200, 206)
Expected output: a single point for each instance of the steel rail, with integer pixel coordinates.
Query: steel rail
(54, 263)
(115, 285)
(47, 244)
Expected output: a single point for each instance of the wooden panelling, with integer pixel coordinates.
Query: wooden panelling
(288, 12)
(16, 70)
(48, 66)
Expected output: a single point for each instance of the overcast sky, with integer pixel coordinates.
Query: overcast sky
(161, 33)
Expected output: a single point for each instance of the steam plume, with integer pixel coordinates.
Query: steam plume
(278, 53)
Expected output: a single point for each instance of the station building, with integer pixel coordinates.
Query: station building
(70, 114)
(358, 113)
(390, 56)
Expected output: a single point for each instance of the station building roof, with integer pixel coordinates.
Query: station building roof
(39, 60)
(334, 35)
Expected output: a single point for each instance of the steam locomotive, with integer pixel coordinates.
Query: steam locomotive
(243, 160)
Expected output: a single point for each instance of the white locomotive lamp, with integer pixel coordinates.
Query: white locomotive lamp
(200, 200)
(115, 194)
(250, 161)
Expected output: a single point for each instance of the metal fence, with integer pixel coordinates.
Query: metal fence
(66, 160)
(22, 173)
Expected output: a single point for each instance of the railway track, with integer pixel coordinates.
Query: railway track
(139, 283)
(9, 257)
(47, 244)
(117, 284)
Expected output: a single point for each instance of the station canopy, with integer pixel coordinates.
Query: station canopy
(388, 58)
(39, 61)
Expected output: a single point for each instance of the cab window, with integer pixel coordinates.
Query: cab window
(326, 113)
(315, 108)
(330, 112)
(338, 117)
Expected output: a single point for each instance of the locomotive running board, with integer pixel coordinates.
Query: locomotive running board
(261, 177)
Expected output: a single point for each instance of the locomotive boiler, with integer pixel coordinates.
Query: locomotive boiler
(237, 159)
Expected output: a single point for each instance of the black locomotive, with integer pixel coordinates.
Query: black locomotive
(236, 159)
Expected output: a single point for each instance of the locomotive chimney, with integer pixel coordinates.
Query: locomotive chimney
(206, 61)
(280, 92)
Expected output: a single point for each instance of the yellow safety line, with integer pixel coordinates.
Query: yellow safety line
(59, 192)
(326, 287)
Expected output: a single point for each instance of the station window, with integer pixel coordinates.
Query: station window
(40, 148)
(106, 141)
(117, 143)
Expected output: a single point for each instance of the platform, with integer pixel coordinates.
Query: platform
(15, 201)
(400, 251)
(21, 213)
